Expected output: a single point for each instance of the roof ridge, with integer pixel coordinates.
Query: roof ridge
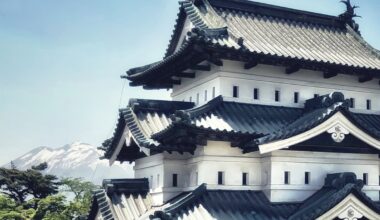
(195, 112)
(176, 34)
(287, 131)
(361, 40)
(159, 105)
(270, 9)
(194, 15)
(188, 199)
(141, 138)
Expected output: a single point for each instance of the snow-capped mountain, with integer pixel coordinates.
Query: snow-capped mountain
(74, 160)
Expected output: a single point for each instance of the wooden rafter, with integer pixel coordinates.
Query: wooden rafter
(185, 75)
(202, 67)
(250, 64)
(329, 74)
(292, 69)
(364, 79)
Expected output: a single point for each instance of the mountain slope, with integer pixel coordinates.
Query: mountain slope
(74, 160)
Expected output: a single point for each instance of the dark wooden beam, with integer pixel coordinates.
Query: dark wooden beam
(173, 81)
(366, 78)
(329, 74)
(157, 86)
(292, 69)
(215, 60)
(250, 64)
(201, 67)
(185, 75)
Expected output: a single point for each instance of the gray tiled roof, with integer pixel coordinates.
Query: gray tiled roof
(300, 40)
(241, 117)
(281, 37)
(302, 124)
(122, 199)
(265, 33)
(367, 122)
(204, 204)
(151, 121)
(337, 187)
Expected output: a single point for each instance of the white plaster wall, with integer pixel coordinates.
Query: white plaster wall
(191, 87)
(319, 165)
(265, 172)
(219, 156)
(164, 165)
(151, 167)
(271, 78)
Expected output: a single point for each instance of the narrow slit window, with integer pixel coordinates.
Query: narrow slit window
(307, 178)
(151, 182)
(213, 92)
(245, 179)
(220, 178)
(205, 95)
(277, 96)
(235, 92)
(190, 99)
(197, 98)
(296, 97)
(196, 178)
(255, 93)
(175, 180)
(286, 177)
(369, 104)
(365, 178)
(352, 103)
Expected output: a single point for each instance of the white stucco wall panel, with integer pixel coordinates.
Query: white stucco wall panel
(270, 78)
(265, 171)
(319, 165)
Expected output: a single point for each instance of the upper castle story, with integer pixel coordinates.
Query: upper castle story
(263, 54)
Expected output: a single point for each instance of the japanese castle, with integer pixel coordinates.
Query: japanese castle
(275, 114)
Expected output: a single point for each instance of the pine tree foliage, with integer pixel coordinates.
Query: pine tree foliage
(19, 185)
(31, 195)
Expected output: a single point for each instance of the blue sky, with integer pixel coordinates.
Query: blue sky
(60, 63)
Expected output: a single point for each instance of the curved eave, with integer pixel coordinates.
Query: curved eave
(160, 74)
(196, 51)
(126, 130)
(338, 119)
(178, 27)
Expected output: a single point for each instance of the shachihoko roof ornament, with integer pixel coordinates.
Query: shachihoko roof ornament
(349, 15)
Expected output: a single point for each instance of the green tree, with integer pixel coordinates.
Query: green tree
(31, 195)
(20, 185)
(82, 191)
(52, 208)
(9, 210)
